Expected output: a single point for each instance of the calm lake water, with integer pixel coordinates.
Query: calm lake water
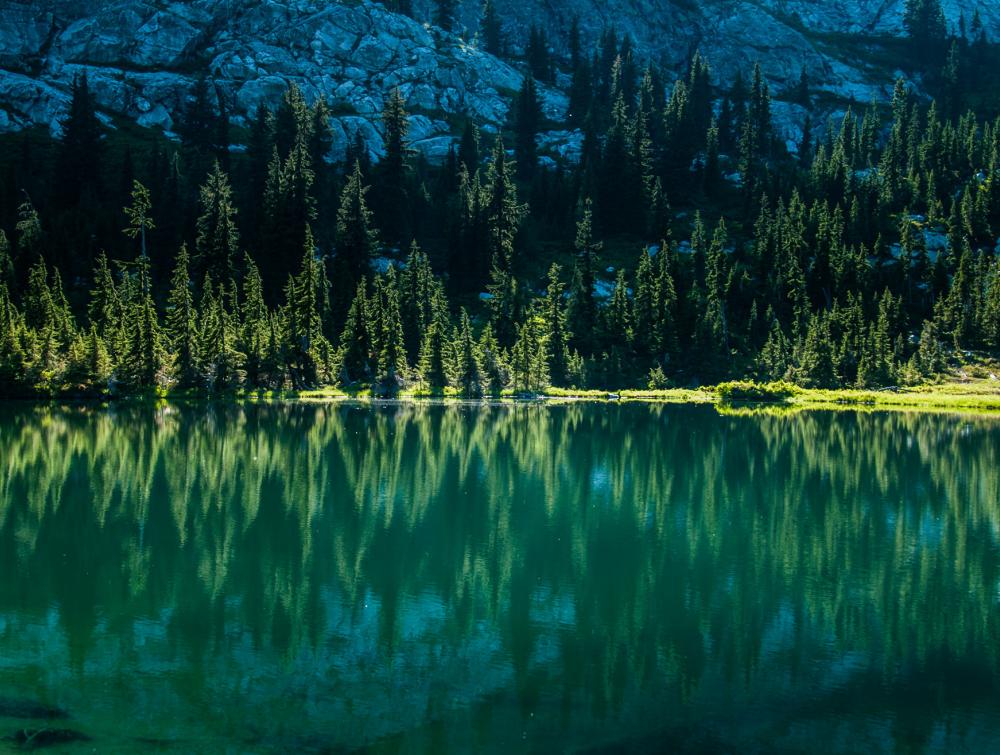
(597, 578)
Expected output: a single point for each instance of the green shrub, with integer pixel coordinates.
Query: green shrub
(746, 390)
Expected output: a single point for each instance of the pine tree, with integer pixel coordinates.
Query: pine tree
(180, 326)
(308, 350)
(255, 339)
(197, 126)
(959, 307)
(217, 238)
(815, 360)
(394, 202)
(468, 148)
(432, 358)
(28, 232)
(356, 341)
(139, 215)
(392, 352)
(467, 373)
(444, 14)
(776, 357)
(105, 308)
(220, 362)
(503, 212)
(924, 22)
(492, 362)
(491, 29)
(556, 337)
(583, 313)
(81, 148)
(6, 261)
(536, 53)
(419, 290)
(618, 316)
(527, 114)
(716, 325)
(356, 236)
(529, 357)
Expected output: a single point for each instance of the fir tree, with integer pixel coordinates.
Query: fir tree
(139, 216)
(105, 308)
(527, 114)
(356, 236)
(217, 238)
(393, 169)
(81, 147)
(180, 326)
(392, 352)
(356, 341)
(308, 350)
(529, 357)
(444, 14)
(491, 30)
(432, 358)
(556, 337)
(583, 314)
(924, 22)
(467, 372)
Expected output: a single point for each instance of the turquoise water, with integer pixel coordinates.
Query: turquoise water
(533, 578)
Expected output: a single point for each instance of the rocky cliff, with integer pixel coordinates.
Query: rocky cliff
(142, 56)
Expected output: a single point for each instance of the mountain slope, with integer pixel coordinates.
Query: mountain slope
(142, 57)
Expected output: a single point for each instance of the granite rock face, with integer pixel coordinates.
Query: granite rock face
(142, 57)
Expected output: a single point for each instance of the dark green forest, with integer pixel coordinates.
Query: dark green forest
(689, 245)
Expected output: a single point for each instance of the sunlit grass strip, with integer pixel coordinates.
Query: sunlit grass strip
(732, 398)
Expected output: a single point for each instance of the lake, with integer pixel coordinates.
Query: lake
(437, 578)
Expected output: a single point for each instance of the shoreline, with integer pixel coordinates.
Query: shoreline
(979, 397)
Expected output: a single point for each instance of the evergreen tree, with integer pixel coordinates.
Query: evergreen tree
(556, 338)
(492, 362)
(139, 216)
(716, 325)
(467, 372)
(491, 30)
(6, 261)
(393, 169)
(527, 114)
(444, 14)
(356, 236)
(618, 316)
(815, 360)
(432, 358)
(583, 313)
(536, 53)
(180, 326)
(105, 308)
(924, 22)
(81, 147)
(529, 357)
(391, 350)
(308, 351)
(218, 237)
(256, 326)
(356, 341)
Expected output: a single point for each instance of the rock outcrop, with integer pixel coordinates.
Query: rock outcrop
(142, 57)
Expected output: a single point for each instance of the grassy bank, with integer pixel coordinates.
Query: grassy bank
(979, 395)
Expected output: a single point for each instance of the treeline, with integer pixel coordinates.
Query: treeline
(862, 258)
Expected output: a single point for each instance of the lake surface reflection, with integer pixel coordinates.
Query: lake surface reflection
(544, 578)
